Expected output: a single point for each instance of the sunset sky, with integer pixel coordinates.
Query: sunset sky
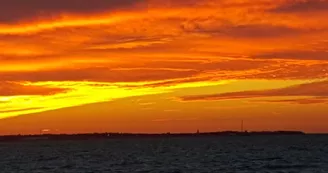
(153, 66)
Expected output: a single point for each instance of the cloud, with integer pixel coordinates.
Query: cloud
(302, 6)
(295, 54)
(315, 89)
(101, 74)
(305, 101)
(254, 31)
(167, 72)
(17, 10)
(16, 89)
(184, 70)
(260, 31)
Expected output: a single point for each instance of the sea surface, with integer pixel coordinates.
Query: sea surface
(244, 154)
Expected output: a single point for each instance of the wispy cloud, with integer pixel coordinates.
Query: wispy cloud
(305, 101)
(315, 89)
(16, 89)
(301, 6)
(16, 10)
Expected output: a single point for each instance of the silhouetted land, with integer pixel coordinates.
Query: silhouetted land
(92, 136)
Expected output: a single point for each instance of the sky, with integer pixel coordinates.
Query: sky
(154, 66)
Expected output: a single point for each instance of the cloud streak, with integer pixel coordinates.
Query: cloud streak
(303, 101)
(315, 89)
(303, 6)
(15, 89)
(16, 10)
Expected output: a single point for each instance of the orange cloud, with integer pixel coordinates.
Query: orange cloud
(18, 10)
(101, 74)
(303, 6)
(304, 101)
(315, 89)
(16, 89)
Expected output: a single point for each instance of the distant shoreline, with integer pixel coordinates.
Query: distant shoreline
(88, 136)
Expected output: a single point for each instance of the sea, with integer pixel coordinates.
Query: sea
(201, 154)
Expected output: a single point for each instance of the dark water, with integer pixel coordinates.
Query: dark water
(272, 154)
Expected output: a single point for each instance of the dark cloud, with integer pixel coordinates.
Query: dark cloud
(16, 10)
(291, 70)
(100, 74)
(15, 89)
(176, 71)
(178, 81)
(305, 101)
(175, 3)
(151, 70)
(295, 54)
(294, 6)
(239, 31)
(258, 31)
(316, 89)
(199, 65)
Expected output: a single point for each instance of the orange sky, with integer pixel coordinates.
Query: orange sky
(159, 66)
